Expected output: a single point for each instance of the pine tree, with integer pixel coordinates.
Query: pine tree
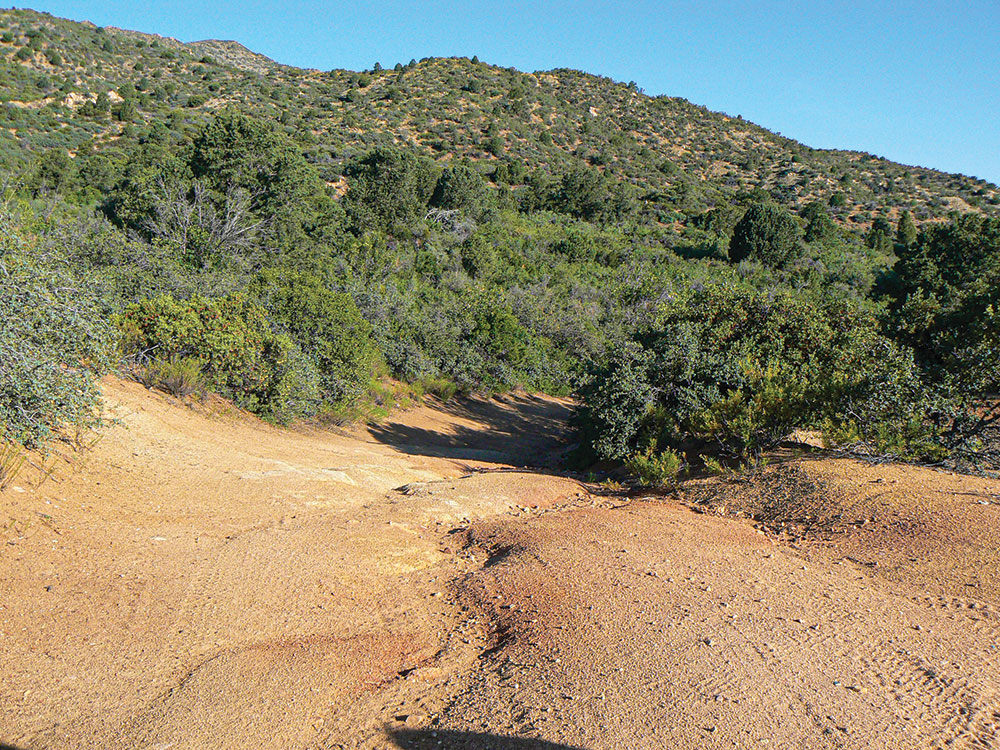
(906, 230)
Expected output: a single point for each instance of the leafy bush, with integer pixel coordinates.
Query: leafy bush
(239, 185)
(732, 371)
(767, 233)
(53, 342)
(946, 300)
(655, 468)
(241, 357)
(326, 325)
(389, 188)
(503, 353)
(583, 192)
(235, 153)
(462, 187)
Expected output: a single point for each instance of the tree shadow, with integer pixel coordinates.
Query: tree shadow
(444, 739)
(5, 746)
(521, 430)
(700, 251)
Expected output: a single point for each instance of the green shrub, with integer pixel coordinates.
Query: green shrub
(462, 187)
(502, 352)
(732, 371)
(389, 189)
(53, 342)
(946, 298)
(655, 468)
(178, 376)
(231, 337)
(766, 233)
(326, 325)
(238, 186)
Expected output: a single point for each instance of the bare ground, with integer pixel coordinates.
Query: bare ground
(202, 580)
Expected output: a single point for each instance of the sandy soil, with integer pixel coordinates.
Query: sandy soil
(202, 580)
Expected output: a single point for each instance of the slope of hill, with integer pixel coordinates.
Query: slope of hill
(235, 54)
(66, 83)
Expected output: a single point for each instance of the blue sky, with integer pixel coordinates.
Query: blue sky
(916, 82)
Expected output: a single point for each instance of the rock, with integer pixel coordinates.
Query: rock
(411, 720)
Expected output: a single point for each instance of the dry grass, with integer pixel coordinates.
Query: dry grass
(12, 459)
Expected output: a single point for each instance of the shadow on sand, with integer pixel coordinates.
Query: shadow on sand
(441, 739)
(520, 430)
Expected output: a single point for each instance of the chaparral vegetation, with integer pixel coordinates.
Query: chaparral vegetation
(209, 220)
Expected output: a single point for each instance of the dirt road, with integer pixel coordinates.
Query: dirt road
(203, 580)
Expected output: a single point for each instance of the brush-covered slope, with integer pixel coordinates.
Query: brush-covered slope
(65, 83)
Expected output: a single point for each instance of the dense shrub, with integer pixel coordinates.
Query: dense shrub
(239, 186)
(241, 357)
(235, 154)
(947, 300)
(766, 233)
(463, 188)
(389, 189)
(326, 325)
(52, 342)
(733, 371)
(583, 192)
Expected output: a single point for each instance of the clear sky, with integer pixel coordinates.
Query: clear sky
(917, 81)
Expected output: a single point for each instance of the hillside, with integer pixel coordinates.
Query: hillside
(64, 84)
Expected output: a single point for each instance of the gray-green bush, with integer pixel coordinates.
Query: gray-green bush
(53, 341)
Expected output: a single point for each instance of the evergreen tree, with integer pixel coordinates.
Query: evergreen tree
(906, 230)
(389, 189)
(767, 233)
(879, 237)
(462, 187)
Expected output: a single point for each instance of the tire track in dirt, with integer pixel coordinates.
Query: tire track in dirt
(276, 602)
(683, 630)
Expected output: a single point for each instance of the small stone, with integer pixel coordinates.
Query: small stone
(410, 720)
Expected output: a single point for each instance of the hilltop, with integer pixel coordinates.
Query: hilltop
(66, 84)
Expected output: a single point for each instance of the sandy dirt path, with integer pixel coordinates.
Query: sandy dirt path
(208, 581)
(203, 580)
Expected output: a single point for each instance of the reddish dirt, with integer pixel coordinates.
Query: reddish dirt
(202, 580)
